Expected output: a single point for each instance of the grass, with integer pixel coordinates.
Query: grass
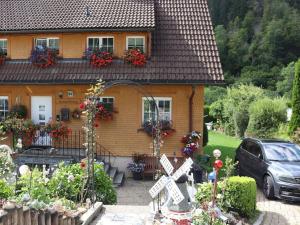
(225, 143)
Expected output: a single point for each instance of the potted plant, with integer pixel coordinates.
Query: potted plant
(19, 110)
(191, 143)
(137, 166)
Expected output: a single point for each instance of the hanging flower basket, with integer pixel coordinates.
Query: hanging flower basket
(43, 57)
(135, 57)
(191, 143)
(104, 111)
(98, 58)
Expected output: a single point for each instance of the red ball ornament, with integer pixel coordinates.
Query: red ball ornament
(218, 164)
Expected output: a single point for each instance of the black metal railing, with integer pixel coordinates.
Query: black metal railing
(44, 144)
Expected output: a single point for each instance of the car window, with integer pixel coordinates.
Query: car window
(282, 152)
(253, 148)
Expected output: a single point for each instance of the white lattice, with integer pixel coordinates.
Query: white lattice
(164, 161)
(183, 169)
(158, 186)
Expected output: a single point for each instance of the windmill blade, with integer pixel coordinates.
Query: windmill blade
(158, 186)
(174, 192)
(183, 169)
(164, 161)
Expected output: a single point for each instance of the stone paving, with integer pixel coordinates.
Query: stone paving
(276, 212)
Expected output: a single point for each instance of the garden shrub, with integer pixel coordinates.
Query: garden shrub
(241, 120)
(36, 185)
(241, 195)
(265, 117)
(295, 120)
(5, 190)
(67, 182)
(205, 135)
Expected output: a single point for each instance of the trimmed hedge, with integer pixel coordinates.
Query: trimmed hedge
(241, 195)
(295, 120)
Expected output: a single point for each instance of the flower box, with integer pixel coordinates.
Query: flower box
(98, 58)
(135, 57)
(43, 57)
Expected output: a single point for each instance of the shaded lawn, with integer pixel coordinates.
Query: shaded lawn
(225, 143)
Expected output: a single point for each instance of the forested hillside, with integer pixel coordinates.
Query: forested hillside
(258, 40)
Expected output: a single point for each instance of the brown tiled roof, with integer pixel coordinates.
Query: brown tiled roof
(184, 51)
(28, 15)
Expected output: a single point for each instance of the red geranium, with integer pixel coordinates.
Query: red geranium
(82, 106)
(135, 57)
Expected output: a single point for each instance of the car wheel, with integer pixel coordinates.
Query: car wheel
(268, 187)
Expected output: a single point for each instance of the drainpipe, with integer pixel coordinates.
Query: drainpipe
(191, 108)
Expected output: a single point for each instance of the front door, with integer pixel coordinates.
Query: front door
(41, 109)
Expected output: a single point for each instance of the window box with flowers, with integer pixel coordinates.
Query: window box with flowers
(166, 128)
(57, 130)
(191, 143)
(43, 57)
(98, 57)
(135, 57)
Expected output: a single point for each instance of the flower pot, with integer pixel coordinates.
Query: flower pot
(137, 175)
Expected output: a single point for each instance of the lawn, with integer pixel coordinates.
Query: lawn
(225, 143)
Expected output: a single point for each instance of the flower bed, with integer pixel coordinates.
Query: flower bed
(135, 57)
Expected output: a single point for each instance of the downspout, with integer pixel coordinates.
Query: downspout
(191, 99)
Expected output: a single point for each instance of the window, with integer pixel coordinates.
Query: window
(136, 42)
(107, 102)
(102, 43)
(3, 45)
(52, 43)
(3, 107)
(164, 107)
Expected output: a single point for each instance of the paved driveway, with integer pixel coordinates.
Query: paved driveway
(276, 212)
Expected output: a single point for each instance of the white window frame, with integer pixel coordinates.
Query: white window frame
(100, 40)
(5, 39)
(144, 42)
(47, 40)
(157, 99)
(5, 112)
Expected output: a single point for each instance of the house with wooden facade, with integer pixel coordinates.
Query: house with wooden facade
(176, 37)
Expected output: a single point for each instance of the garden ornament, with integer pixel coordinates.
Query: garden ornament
(217, 153)
(24, 169)
(19, 145)
(212, 176)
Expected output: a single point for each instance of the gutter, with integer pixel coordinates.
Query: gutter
(191, 99)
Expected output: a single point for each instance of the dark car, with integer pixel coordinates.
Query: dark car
(274, 164)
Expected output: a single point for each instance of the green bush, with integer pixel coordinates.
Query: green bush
(205, 135)
(5, 190)
(67, 182)
(265, 117)
(19, 110)
(295, 120)
(241, 195)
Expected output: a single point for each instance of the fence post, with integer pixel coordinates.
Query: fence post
(34, 217)
(54, 218)
(3, 217)
(26, 216)
(20, 215)
(41, 217)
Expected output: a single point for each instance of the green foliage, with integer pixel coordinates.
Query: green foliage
(285, 84)
(104, 187)
(265, 117)
(35, 184)
(235, 112)
(295, 120)
(19, 110)
(5, 190)
(296, 136)
(66, 182)
(7, 165)
(225, 143)
(213, 93)
(238, 194)
(241, 195)
(205, 217)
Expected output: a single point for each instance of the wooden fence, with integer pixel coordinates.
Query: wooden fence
(19, 215)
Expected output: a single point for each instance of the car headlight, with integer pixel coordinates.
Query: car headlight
(287, 179)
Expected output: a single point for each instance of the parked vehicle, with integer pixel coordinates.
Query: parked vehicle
(274, 164)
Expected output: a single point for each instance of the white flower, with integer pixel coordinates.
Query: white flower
(46, 180)
(71, 178)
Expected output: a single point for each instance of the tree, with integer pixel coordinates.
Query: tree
(295, 120)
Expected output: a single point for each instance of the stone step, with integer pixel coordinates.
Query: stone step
(119, 179)
(113, 172)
